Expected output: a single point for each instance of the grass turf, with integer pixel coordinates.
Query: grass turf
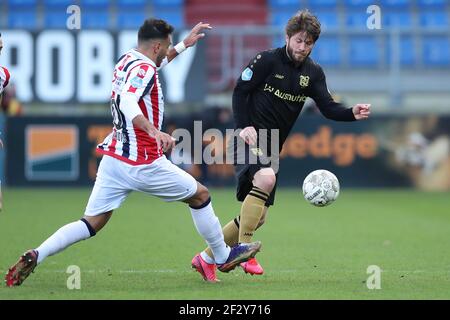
(308, 253)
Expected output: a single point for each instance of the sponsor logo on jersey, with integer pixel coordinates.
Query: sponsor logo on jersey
(137, 82)
(247, 74)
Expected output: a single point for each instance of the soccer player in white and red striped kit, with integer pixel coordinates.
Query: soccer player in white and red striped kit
(4, 80)
(134, 157)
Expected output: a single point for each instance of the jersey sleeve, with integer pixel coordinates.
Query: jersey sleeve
(250, 79)
(324, 101)
(139, 81)
(4, 78)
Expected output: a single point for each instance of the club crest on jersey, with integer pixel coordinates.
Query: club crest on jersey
(247, 74)
(304, 81)
(142, 72)
(137, 82)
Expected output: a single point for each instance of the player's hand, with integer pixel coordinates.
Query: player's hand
(248, 134)
(195, 34)
(164, 141)
(361, 111)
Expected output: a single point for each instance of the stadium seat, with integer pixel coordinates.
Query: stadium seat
(397, 19)
(407, 51)
(315, 4)
(173, 17)
(395, 3)
(361, 3)
(130, 20)
(16, 4)
(55, 19)
(327, 51)
(279, 18)
(132, 4)
(53, 4)
(432, 3)
(364, 51)
(168, 3)
(94, 4)
(285, 4)
(435, 19)
(329, 20)
(22, 20)
(95, 20)
(356, 19)
(436, 51)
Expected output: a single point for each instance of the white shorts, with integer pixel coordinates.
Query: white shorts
(116, 179)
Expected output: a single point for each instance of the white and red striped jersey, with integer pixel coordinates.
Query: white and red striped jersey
(134, 74)
(4, 78)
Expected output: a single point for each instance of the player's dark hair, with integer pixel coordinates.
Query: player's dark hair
(154, 29)
(304, 21)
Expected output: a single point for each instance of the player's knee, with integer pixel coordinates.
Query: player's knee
(265, 179)
(98, 222)
(200, 197)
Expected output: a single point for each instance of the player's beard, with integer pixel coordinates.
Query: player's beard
(296, 58)
(159, 59)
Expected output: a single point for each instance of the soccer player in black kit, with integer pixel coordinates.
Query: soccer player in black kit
(270, 94)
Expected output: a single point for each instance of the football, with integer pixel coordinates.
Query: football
(321, 188)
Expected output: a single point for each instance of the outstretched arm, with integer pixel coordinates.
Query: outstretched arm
(190, 41)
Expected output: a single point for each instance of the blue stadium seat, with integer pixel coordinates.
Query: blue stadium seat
(395, 3)
(95, 20)
(362, 3)
(173, 17)
(397, 19)
(327, 51)
(407, 51)
(329, 20)
(436, 51)
(53, 4)
(132, 4)
(168, 3)
(434, 19)
(364, 51)
(55, 19)
(279, 18)
(15, 4)
(356, 19)
(285, 4)
(322, 3)
(22, 20)
(130, 20)
(432, 3)
(94, 4)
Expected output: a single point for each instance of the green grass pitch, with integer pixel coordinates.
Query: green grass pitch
(308, 253)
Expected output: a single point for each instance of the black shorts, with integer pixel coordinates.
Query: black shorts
(245, 171)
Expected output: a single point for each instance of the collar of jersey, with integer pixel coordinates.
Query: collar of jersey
(143, 57)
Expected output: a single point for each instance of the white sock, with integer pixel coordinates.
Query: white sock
(207, 258)
(208, 226)
(64, 237)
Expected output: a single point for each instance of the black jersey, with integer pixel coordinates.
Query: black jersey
(271, 92)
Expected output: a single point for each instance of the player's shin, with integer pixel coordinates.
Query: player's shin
(64, 237)
(231, 237)
(208, 226)
(251, 212)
